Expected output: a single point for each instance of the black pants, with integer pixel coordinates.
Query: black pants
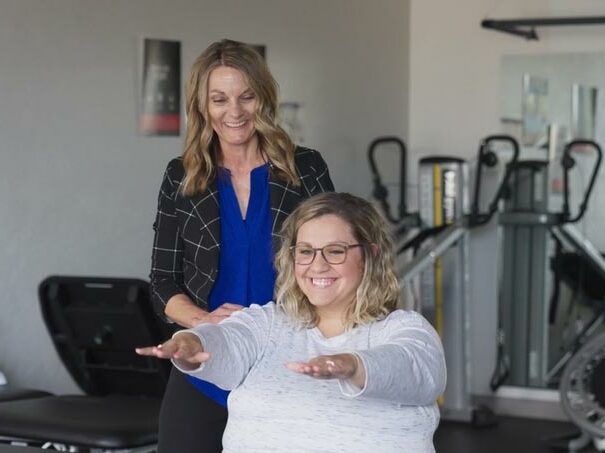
(190, 422)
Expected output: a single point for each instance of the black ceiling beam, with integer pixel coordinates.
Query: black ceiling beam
(526, 27)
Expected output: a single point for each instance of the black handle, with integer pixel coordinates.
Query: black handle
(567, 162)
(486, 157)
(380, 191)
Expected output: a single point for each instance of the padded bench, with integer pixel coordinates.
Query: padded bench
(9, 393)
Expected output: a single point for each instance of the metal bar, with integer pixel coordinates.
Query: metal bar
(529, 218)
(512, 26)
(466, 316)
(527, 34)
(545, 21)
(570, 235)
(426, 257)
(594, 324)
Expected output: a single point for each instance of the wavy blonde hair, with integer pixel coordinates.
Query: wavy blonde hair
(201, 143)
(378, 292)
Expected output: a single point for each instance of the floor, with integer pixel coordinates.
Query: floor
(510, 435)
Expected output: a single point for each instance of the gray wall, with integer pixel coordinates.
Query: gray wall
(562, 70)
(78, 187)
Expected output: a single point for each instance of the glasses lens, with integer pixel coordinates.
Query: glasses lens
(303, 255)
(335, 254)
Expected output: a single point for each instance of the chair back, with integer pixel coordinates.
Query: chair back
(95, 323)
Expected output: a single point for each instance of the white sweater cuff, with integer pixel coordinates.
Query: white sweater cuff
(347, 387)
(180, 364)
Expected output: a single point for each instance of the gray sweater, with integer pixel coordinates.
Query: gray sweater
(272, 409)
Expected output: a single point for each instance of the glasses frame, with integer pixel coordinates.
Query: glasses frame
(321, 250)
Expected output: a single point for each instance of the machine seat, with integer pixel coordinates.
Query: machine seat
(112, 422)
(9, 393)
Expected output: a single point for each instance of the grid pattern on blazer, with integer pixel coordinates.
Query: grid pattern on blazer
(187, 229)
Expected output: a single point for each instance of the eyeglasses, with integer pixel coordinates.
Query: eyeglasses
(332, 253)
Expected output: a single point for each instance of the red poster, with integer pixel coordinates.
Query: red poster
(160, 104)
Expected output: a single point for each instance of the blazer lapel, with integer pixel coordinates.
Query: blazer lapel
(205, 206)
(284, 198)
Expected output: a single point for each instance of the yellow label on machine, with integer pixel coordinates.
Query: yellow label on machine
(438, 221)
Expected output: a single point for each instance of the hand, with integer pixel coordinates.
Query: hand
(185, 347)
(217, 315)
(339, 366)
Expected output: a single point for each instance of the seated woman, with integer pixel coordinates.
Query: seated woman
(332, 366)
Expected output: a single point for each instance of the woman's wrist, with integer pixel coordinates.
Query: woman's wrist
(358, 378)
(198, 319)
(190, 344)
(181, 309)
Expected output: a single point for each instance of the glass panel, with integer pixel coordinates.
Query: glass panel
(583, 111)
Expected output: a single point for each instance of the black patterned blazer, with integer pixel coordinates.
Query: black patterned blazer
(187, 229)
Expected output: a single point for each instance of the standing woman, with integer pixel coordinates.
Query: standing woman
(220, 208)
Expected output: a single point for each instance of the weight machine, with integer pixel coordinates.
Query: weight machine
(445, 218)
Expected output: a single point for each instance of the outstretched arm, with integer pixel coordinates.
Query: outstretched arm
(184, 348)
(220, 353)
(406, 365)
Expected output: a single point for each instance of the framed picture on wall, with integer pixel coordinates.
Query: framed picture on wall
(160, 98)
(534, 110)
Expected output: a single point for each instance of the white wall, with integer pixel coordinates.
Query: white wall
(78, 187)
(454, 94)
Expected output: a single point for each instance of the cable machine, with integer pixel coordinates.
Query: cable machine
(530, 232)
(445, 218)
(527, 227)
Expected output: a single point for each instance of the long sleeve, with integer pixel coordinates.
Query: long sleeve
(407, 365)
(167, 256)
(235, 345)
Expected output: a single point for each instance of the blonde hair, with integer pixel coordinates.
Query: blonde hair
(201, 143)
(378, 291)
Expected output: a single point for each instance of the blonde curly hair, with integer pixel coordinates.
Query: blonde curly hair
(201, 143)
(378, 292)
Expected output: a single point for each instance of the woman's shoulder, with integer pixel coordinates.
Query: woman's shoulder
(269, 315)
(175, 168)
(173, 177)
(401, 323)
(306, 156)
(404, 318)
(270, 309)
(310, 163)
